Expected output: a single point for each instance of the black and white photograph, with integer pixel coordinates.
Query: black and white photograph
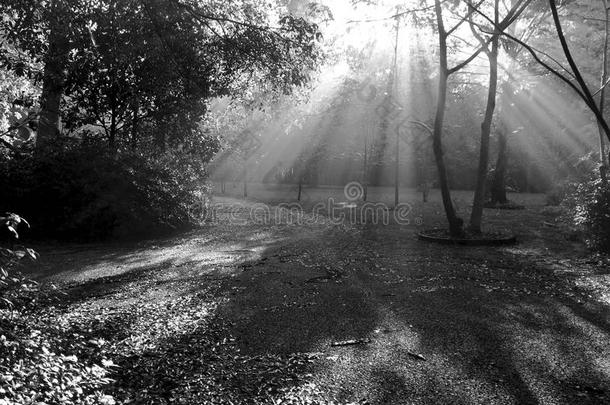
(304, 202)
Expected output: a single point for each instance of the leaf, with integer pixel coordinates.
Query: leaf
(32, 254)
(108, 363)
(351, 342)
(13, 231)
(417, 356)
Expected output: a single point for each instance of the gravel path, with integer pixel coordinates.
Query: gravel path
(320, 313)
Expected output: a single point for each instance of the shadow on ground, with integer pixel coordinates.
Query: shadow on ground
(265, 314)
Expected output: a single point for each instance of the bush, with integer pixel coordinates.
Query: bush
(14, 285)
(589, 205)
(31, 370)
(86, 191)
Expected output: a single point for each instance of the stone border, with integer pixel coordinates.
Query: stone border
(497, 240)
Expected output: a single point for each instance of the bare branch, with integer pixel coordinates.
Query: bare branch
(397, 15)
(464, 18)
(500, 31)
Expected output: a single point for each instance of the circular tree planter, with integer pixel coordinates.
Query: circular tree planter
(469, 239)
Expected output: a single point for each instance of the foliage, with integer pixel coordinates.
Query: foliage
(32, 373)
(30, 370)
(16, 95)
(13, 284)
(87, 191)
(140, 70)
(590, 209)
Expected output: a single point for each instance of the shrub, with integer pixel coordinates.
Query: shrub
(87, 191)
(14, 285)
(589, 205)
(30, 369)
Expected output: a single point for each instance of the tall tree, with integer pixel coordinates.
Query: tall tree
(604, 159)
(456, 223)
(573, 77)
(492, 55)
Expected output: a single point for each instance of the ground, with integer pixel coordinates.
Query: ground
(303, 311)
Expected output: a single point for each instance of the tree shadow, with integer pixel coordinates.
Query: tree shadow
(354, 310)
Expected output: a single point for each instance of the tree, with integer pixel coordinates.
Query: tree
(17, 115)
(517, 7)
(131, 67)
(604, 160)
(573, 77)
(42, 33)
(531, 24)
(492, 55)
(455, 223)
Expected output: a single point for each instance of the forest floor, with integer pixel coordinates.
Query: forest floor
(291, 312)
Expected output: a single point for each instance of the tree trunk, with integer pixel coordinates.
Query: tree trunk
(455, 223)
(476, 216)
(300, 189)
(602, 97)
(397, 172)
(53, 83)
(498, 182)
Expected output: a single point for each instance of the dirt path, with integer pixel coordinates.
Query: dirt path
(282, 313)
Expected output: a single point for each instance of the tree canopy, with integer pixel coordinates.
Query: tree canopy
(146, 69)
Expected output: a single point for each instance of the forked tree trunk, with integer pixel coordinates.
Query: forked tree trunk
(498, 182)
(456, 224)
(476, 216)
(397, 172)
(602, 97)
